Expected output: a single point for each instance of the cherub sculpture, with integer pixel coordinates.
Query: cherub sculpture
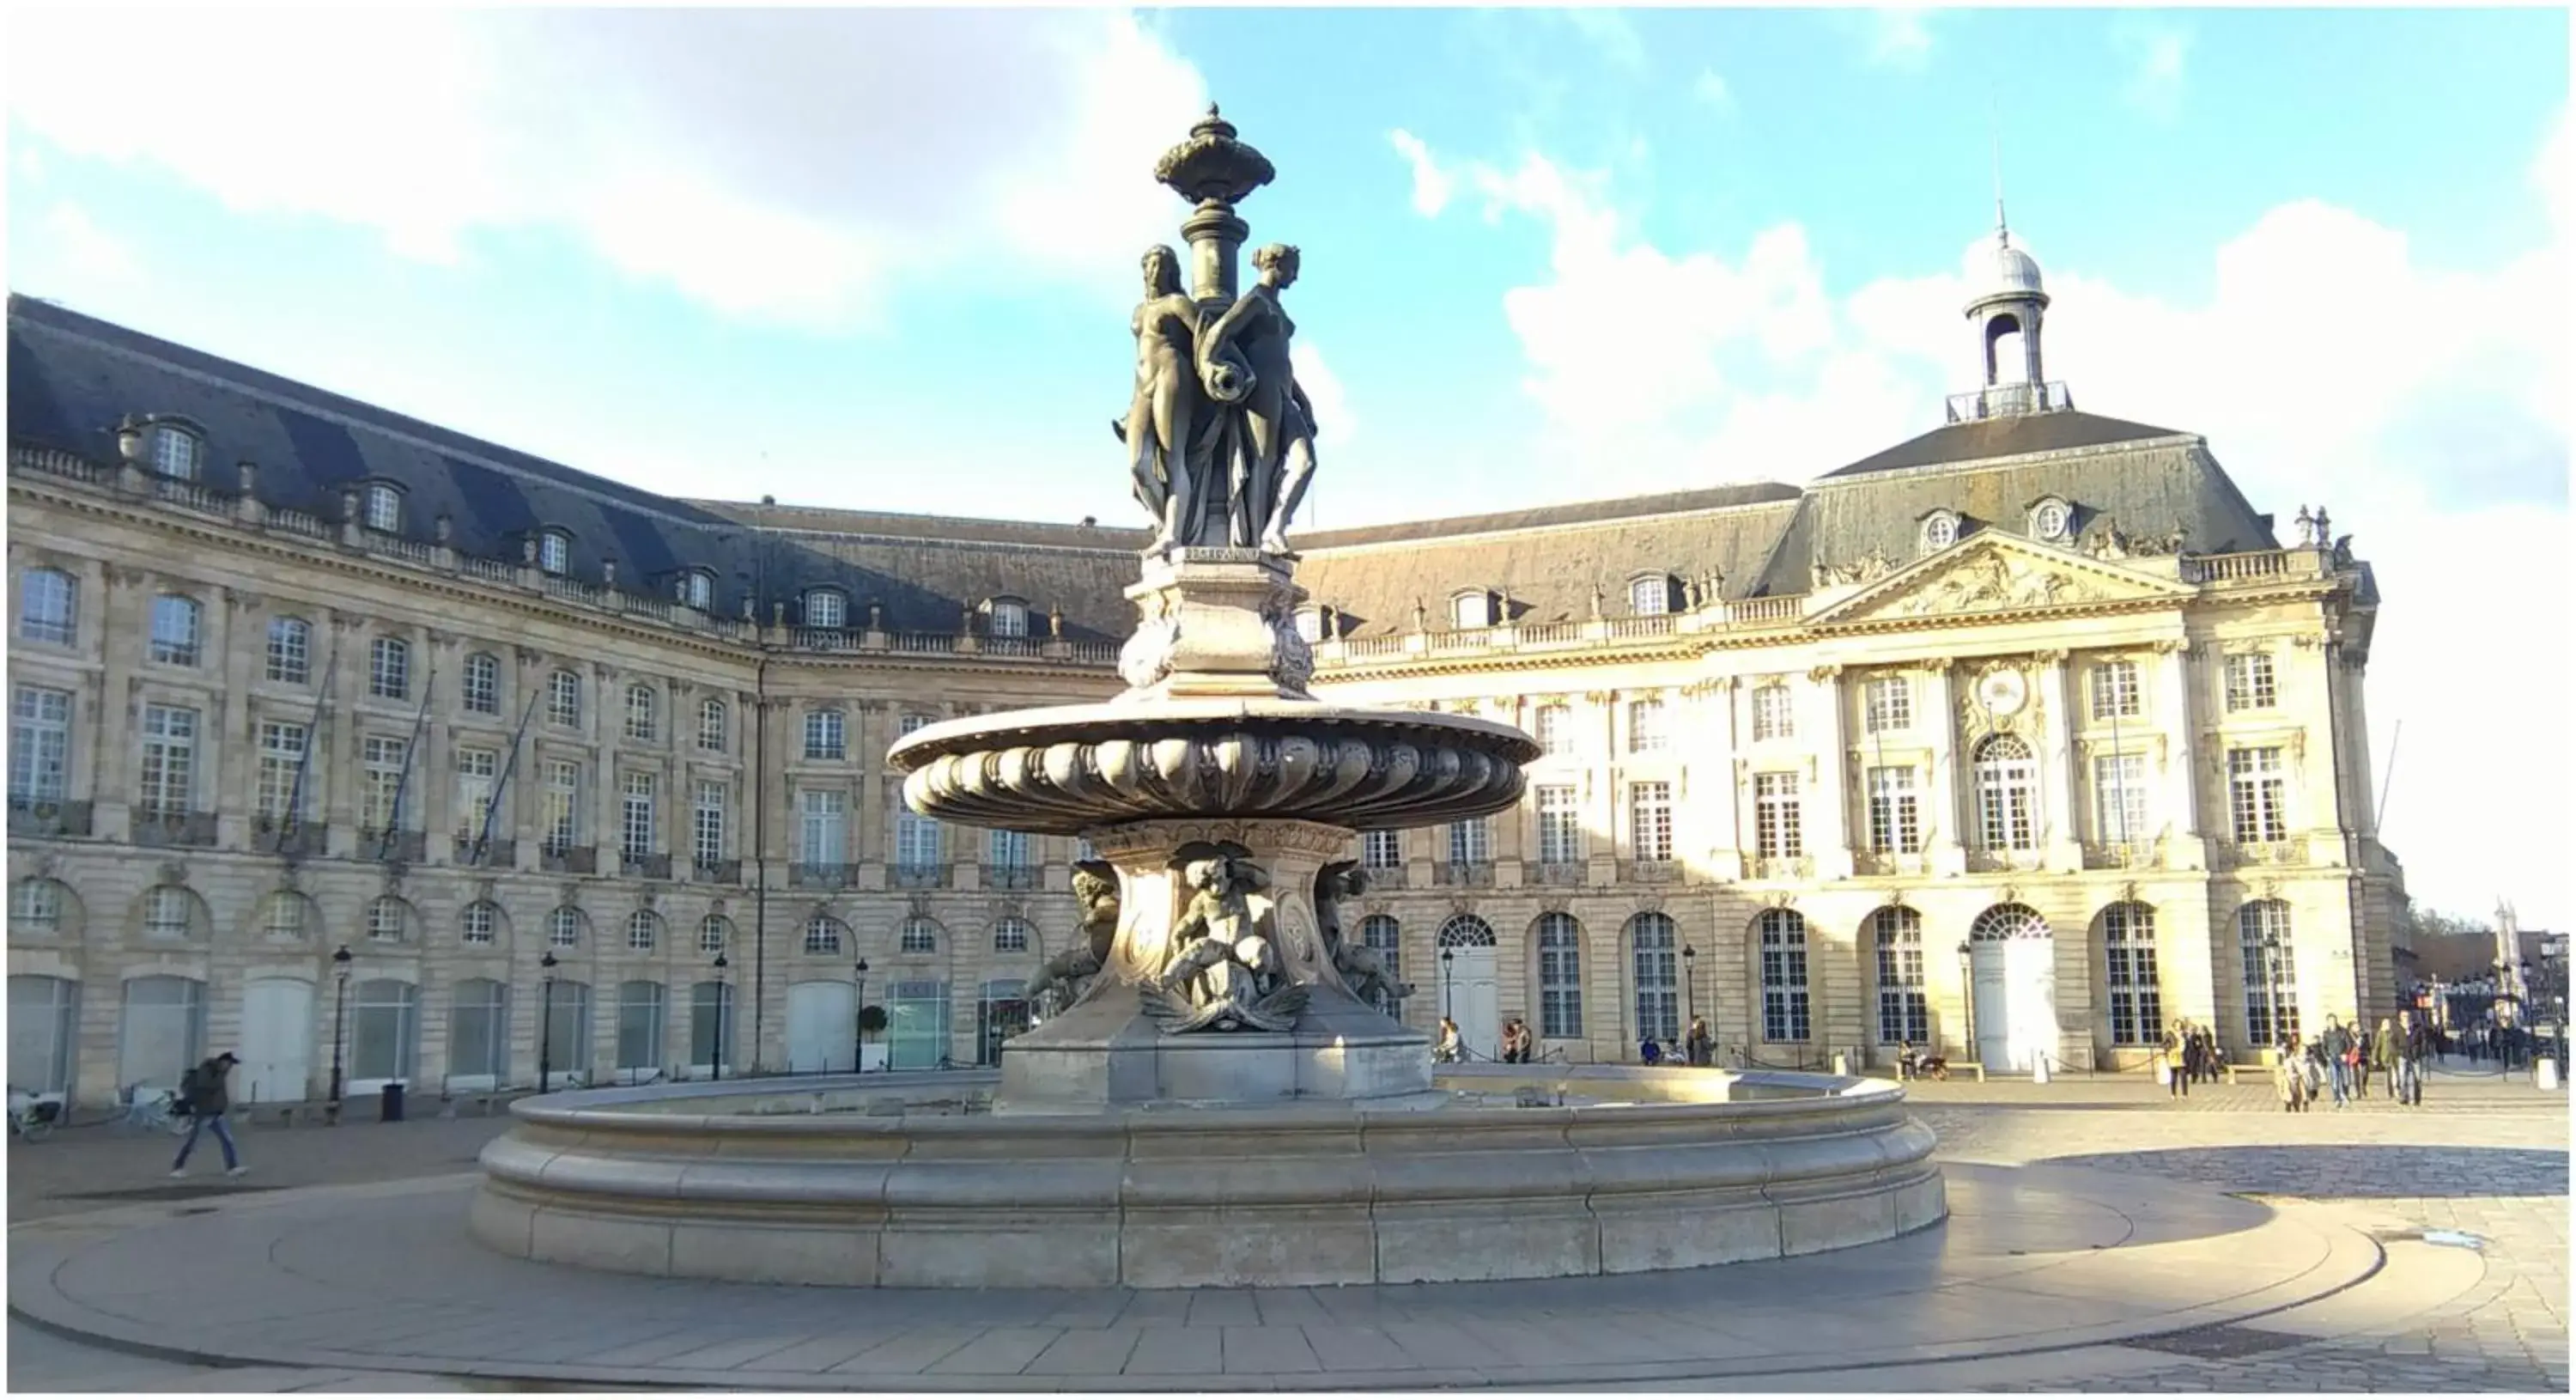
(1362, 969)
(1224, 974)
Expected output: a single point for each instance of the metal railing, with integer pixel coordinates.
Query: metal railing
(32, 816)
(1556, 872)
(277, 837)
(1650, 872)
(2010, 401)
(499, 853)
(718, 872)
(920, 877)
(1010, 877)
(649, 865)
(1463, 873)
(821, 875)
(569, 860)
(173, 828)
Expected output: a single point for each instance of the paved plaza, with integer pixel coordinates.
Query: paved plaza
(2104, 1237)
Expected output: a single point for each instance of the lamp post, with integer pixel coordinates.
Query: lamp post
(1968, 1004)
(858, 1018)
(1690, 994)
(339, 1028)
(546, 1026)
(717, 1052)
(1448, 959)
(2272, 987)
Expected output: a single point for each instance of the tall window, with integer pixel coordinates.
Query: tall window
(2006, 820)
(916, 841)
(477, 771)
(2115, 690)
(1007, 850)
(1650, 821)
(44, 1014)
(36, 908)
(480, 924)
(917, 936)
(2129, 974)
(381, 758)
(711, 725)
(175, 452)
(825, 607)
(281, 917)
(290, 650)
(1904, 1013)
(822, 826)
(1010, 618)
(698, 589)
(48, 607)
(1650, 597)
(1784, 974)
(386, 921)
(1774, 715)
(2248, 676)
(176, 630)
(384, 508)
(707, 824)
(1647, 730)
(563, 805)
(164, 1031)
(1560, 828)
(639, 1025)
(641, 714)
(389, 668)
(1895, 811)
(1470, 842)
(2271, 973)
(712, 934)
(635, 831)
(1382, 933)
(825, 735)
(169, 772)
(384, 1029)
(710, 1017)
(281, 759)
(563, 927)
(40, 745)
(909, 723)
(1775, 816)
(643, 930)
(1471, 610)
(2254, 795)
(563, 699)
(1887, 705)
(1382, 850)
(554, 552)
(168, 912)
(483, 683)
(1011, 936)
(478, 1032)
(2120, 797)
(1555, 730)
(1560, 977)
(1650, 952)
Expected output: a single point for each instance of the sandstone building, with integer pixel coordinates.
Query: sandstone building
(2022, 738)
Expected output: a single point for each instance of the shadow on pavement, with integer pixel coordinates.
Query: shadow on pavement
(2337, 1170)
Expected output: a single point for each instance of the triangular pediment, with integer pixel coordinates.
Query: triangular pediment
(1992, 574)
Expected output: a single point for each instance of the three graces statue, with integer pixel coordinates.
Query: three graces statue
(1218, 413)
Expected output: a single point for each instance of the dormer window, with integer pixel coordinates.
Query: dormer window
(176, 452)
(384, 508)
(1310, 624)
(826, 607)
(1940, 530)
(554, 552)
(1651, 596)
(2051, 519)
(698, 589)
(1472, 610)
(1010, 617)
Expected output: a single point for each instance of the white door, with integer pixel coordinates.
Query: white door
(2031, 973)
(1475, 1003)
(822, 1027)
(1990, 981)
(276, 1042)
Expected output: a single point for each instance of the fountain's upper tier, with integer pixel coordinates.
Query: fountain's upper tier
(1070, 769)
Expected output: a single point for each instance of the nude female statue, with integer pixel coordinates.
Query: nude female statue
(1271, 473)
(1165, 412)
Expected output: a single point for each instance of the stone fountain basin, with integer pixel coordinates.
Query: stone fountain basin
(1687, 1168)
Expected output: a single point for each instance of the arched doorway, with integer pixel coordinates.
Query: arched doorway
(1469, 993)
(2012, 976)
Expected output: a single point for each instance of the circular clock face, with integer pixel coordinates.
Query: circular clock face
(2003, 692)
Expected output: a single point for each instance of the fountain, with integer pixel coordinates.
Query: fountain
(1216, 1097)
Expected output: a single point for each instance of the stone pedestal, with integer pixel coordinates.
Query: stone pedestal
(1216, 624)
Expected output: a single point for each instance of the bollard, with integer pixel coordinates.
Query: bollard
(2039, 1069)
(2545, 1072)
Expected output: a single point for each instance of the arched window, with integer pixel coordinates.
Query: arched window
(1783, 939)
(1381, 933)
(698, 589)
(1560, 977)
(283, 918)
(554, 552)
(823, 936)
(169, 912)
(177, 630)
(2271, 972)
(2006, 817)
(384, 1030)
(290, 650)
(639, 1027)
(1651, 596)
(483, 683)
(826, 735)
(388, 920)
(713, 934)
(1011, 936)
(1010, 618)
(643, 931)
(44, 1015)
(826, 607)
(563, 927)
(389, 668)
(2129, 974)
(480, 925)
(384, 508)
(641, 713)
(1904, 1012)
(1465, 931)
(918, 936)
(176, 452)
(48, 607)
(1650, 954)
(2007, 921)
(1472, 609)
(711, 725)
(37, 908)
(563, 699)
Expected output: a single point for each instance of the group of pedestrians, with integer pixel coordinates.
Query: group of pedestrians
(1696, 1048)
(2343, 1059)
(2190, 1056)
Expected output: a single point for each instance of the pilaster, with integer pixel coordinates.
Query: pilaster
(2185, 849)
(1949, 855)
(1828, 770)
(2062, 843)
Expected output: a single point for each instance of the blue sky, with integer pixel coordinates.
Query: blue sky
(884, 260)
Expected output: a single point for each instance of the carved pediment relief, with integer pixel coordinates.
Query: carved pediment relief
(1996, 574)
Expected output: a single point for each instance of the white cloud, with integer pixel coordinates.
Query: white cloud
(1431, 185)
(779, 164)
(2329, 364)
(1898, 37)
(86, 251)
(2156, 86)
(1334, 424)
(1609, 33)
(1709, 88)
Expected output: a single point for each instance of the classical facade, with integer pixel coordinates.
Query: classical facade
(334, 728)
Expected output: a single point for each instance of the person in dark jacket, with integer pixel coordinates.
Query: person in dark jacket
(1697, 1042)
(208, 1092)
(2414, 1046)
(2335, 1048)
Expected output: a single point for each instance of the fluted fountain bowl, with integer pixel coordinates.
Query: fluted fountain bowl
(1069, 770)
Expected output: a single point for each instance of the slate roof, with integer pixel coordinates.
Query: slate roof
(1982, 438)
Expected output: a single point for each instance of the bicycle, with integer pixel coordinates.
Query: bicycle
(33, 1117)
(160, 1112)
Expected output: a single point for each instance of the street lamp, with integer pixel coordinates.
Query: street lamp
(1448, 960)
(1968, 1005)
(339, 1028)
(546, 1026)
(859, 1018)
(1690, 993)
(2273, 1026)
(717, 1054)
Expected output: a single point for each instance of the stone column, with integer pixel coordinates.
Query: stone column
(2184, 847)
(1949, 854)
(2061, 842)
(1829, 766)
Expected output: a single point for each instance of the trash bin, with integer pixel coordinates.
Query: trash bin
(393, 1103)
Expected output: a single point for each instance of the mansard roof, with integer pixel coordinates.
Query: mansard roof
(2011, 435)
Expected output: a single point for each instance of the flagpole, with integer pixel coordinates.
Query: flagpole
(411, 752)
(294, 819)
(492, 809)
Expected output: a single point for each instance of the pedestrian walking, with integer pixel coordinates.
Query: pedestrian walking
(2289, 1075)
(2414, 1042)
(1697, 1042)
(1516, 1042)
(2176, 1061)
(208, 1093)
(2382, 1063)
(2333, 1047)
(1445, 1049)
